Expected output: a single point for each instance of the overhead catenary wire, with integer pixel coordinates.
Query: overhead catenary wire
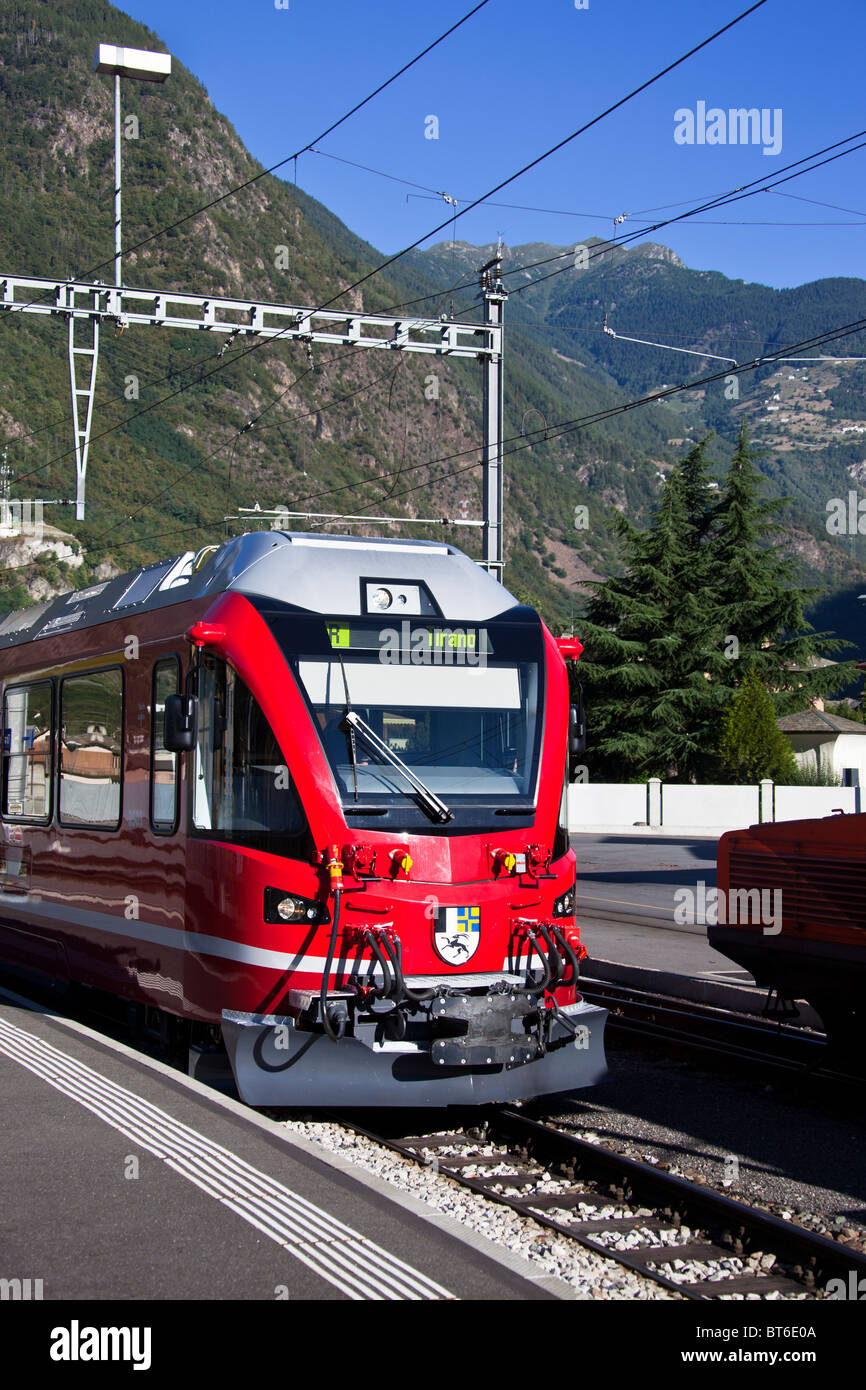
(622, 101)
(248, 183)
(431, 194)
(554, 149)
(340, 357)
(798, 197)
(557, 431)
(735, 195)
(702, 222)
(543, 434)
(561, 428)
(738, 194)
(554, 431)
(742, 191)
(755, 187)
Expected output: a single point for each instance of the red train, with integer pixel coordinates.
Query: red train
(306, 794)
(796, 913)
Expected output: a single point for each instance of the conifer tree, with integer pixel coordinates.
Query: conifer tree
(706, 597)
(653, 664)
(699, 499)
(759, 599)
(752, 745)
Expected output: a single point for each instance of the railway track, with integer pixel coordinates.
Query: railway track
(691, 1240)
(747, 1038)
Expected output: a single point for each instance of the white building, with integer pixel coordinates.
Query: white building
(819, 738)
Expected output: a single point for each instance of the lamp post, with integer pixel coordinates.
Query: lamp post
(144, 66)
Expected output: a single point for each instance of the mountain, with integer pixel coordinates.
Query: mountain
(355, 430)
(808, 418)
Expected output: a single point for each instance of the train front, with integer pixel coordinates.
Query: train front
(426, 736)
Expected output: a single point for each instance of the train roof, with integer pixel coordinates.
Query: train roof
(321, 573)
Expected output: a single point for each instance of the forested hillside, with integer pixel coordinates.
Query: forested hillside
(204, 434)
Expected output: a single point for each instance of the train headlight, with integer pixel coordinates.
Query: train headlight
(280, 906)
(564, 905)
(381, 598)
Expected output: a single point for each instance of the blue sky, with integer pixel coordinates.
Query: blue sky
(517, 78)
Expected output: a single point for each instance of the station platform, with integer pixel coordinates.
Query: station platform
(121, 1179)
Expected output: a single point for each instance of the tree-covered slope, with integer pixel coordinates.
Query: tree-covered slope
(201, 434)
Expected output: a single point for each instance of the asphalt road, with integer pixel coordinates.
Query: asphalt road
(633, 876)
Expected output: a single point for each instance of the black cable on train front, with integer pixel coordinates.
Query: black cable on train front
(388, 980)
(333, 1033)
(536, 987)
(569, 953)
(554, 960)
(394, 949)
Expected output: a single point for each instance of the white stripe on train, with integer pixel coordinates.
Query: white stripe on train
(178, 939)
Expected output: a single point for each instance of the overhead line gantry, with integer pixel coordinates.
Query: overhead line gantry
(90, 307)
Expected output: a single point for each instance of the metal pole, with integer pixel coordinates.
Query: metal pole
(493, 410)
(117, 279)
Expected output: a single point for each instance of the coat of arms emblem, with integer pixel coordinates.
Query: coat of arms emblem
(457, 933)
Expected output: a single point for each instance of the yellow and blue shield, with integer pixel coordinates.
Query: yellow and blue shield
(456, 933)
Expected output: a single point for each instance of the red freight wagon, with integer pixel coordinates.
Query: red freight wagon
(796, 913)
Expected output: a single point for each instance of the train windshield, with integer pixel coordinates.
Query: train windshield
(441, 714)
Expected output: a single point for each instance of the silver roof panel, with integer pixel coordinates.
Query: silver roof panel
(321, 573)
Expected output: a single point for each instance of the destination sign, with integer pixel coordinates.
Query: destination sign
(415, 643)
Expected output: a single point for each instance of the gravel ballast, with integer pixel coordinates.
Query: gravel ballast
(588, 1274)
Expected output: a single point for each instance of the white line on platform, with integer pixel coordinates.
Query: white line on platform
(333, 1250)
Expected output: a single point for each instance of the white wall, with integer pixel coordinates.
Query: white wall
(833, 752)
(849, 750)
(622, 805)
(606, 803)
(712, 806)
(800, 803)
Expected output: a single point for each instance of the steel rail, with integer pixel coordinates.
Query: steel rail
(597, 1177)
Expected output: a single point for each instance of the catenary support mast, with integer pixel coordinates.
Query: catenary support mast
(88, 307)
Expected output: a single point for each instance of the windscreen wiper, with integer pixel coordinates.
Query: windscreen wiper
(352, 752)
(435, 808)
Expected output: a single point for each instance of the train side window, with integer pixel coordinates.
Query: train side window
(91, 748)
(164, 784)
(27, 752)
(244, 791)
(207, 758)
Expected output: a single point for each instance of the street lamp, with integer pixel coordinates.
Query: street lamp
(144, 66)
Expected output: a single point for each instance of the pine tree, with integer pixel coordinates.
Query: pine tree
(653, 664)
(692, 479)
(752, 745)
(706, 597)
(757, 594)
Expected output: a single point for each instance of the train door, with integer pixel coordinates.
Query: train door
(248, 834)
